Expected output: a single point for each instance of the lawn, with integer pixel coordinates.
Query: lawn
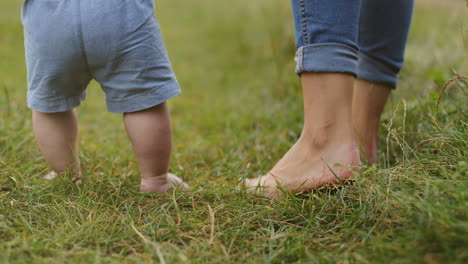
(240, 110)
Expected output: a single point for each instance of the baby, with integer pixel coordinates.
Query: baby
(118, 43)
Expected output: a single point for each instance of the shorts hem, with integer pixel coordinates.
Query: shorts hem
(56, 105)
(142, 101)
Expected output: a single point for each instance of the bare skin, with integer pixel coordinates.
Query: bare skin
(369, 100)
(149, 131)
(151, 136)
(57, 135)
(327, 151)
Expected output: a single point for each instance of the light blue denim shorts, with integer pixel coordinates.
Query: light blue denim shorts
(118, 43)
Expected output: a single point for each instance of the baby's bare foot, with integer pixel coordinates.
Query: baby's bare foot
(162, 184)
(306, 167)
(52, 175)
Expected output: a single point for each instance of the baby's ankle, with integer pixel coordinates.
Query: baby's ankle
(155, 183)
(161, 183)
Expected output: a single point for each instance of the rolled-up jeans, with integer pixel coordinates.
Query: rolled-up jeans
(365, 38)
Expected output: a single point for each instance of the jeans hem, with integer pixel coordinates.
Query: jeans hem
(373, 70)
(327, 57)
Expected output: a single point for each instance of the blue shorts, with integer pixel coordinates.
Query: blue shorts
(118, 43)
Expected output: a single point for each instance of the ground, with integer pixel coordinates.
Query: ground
(240, 111)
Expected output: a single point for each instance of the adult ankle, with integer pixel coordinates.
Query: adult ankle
(329, 136)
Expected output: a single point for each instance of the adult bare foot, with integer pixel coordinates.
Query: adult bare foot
(327, 139)
(162, 184)
(369, 100)
(307, 166)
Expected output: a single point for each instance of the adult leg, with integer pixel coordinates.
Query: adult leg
(326, 152)
(369, 100)
(57, 135)
(327, 139)
(383, 32)
(150, 133)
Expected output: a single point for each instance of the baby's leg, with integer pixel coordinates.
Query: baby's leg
(57, 134)
(149, 131)
(57, 79)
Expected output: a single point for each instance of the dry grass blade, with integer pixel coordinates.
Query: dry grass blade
(444, 88)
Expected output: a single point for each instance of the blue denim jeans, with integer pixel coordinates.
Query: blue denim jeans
(365, 38)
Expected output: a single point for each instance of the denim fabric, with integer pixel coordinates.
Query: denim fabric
(365, 38)
(118, 43)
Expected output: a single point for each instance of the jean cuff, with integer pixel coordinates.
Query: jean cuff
(327, 57)
(373, 70)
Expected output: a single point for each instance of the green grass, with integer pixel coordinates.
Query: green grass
(240, 111)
